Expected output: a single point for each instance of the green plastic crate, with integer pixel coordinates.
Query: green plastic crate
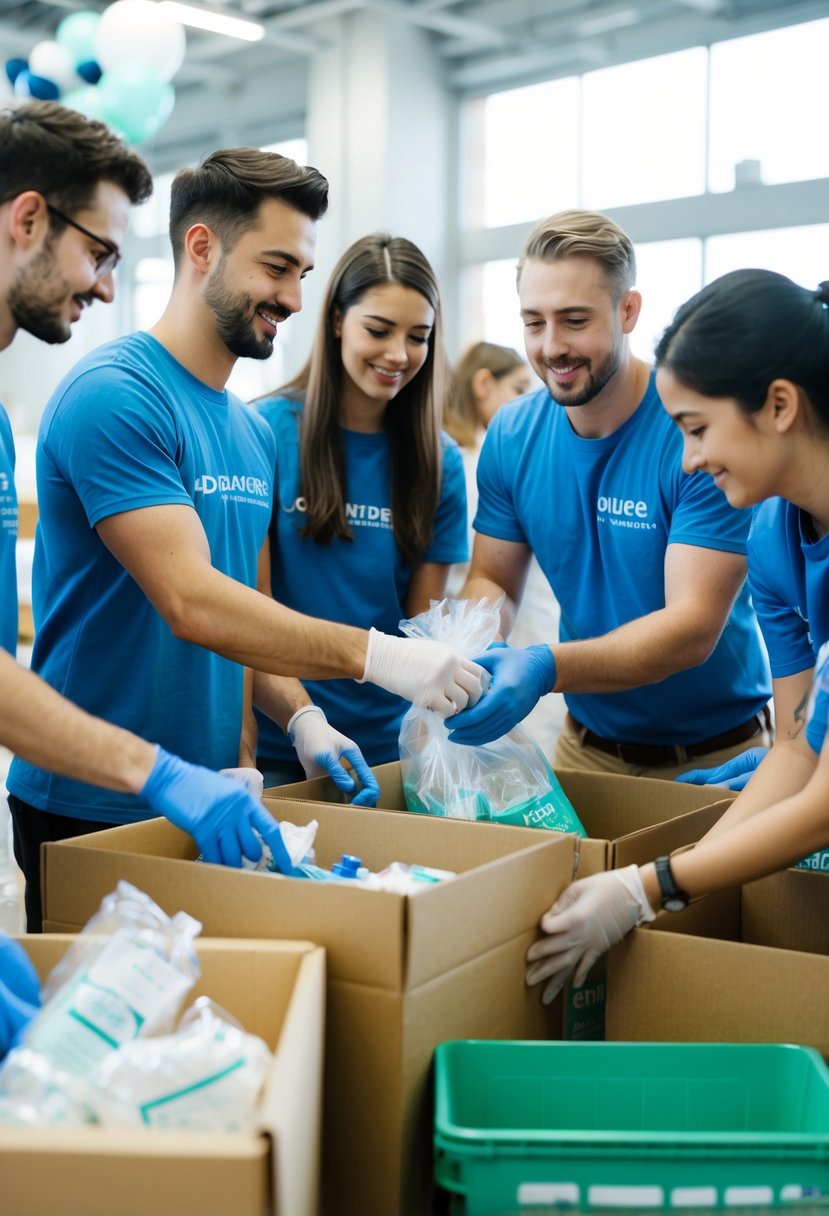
(540, 1127)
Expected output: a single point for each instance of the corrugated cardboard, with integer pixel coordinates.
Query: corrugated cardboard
(277, 991)
(749, 965)
(404, 974)
(619, 813)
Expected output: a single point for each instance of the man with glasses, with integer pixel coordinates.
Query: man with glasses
(66, 186)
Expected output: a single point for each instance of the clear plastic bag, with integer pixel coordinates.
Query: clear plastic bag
(508, 780)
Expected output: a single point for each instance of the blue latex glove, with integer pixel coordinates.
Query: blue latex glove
(321, 750)
(519, 678)
(17, 971)
(218, 812)
(733, 775)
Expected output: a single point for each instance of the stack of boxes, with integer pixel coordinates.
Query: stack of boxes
(405, 973)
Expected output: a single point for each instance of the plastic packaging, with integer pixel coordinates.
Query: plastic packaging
(506, 781)
(9, 880)
(125, 977)
(205, 1077)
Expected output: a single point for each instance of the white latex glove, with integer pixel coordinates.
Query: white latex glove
(251, 777)
(429, 674)
(321, 750)
(589, 917)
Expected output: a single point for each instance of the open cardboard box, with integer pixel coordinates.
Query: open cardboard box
(749, 965)
(277, 991)
(404, 973)
(616, 811)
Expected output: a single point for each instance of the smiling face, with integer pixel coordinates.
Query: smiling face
(384, 342)
(746, 454)
(60, 276)
(574, 334)
(258, 281)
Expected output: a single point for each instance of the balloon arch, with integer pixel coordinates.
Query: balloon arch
(116, 66)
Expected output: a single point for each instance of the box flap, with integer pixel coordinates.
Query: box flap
(610, 805)
(789, 910)
(459, 920)
(660, 839)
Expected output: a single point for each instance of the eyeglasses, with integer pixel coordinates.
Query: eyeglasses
(105, 261)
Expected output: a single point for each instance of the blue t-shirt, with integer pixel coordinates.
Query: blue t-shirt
(789, 580)
(8, 538)
(129, 427)
(361, 582)
(599, 514)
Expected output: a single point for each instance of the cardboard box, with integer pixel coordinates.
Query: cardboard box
(621, 815)
(277, 991)
(749, 966)
(404, 973)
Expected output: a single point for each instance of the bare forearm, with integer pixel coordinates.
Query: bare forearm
(42, 727)
(256, 631)
(279, 697)
(478, 588)
(643, 651)
(784, 771)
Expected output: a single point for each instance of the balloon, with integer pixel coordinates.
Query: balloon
(139, 32)
(132, 95)
(27, 84)
(87, 101)
(53, 61)
(14, 67)
(90, 71)
(77, 34)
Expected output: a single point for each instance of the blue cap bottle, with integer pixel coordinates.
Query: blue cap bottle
(347, 866)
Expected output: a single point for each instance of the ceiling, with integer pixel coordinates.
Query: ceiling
(482, 44)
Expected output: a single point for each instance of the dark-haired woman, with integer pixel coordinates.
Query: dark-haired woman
(743, 369)
(369, 500)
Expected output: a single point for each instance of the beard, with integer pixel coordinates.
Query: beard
(37, 299)
(597, 378)
(235, 313)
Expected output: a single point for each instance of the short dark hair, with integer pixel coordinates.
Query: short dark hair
(746, 329)
(64, 156)
(228, 188)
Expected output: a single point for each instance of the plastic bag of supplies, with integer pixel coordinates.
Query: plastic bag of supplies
(508, 780)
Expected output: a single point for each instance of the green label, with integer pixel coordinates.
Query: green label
(816, 861)
(584, 1016)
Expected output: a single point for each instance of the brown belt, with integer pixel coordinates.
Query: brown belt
(672, 753)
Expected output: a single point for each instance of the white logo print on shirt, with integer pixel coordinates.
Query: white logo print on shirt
(358, 514)
(235, 487)
(623, 512)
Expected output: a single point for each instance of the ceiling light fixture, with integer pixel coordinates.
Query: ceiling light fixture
(216, 23)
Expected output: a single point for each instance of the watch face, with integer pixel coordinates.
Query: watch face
(674, 904)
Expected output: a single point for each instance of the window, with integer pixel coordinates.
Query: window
(668, 273)
(768, 103)
(801, 253)
(643, 131)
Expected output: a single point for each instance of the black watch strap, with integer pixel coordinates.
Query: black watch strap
(674, 899)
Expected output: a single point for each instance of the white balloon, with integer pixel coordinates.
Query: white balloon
(53, 61)
(138, 31)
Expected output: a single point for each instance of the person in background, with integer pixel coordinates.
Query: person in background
(369, 504)
(743, 371)
(66, 187)
(659, 658)
(155, 495)
(486, 377)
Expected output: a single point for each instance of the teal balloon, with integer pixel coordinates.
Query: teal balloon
(77, 34)
(86, 101)
(132, 96)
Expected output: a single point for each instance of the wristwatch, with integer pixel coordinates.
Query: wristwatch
(674, 899)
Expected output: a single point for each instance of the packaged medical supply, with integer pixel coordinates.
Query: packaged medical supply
(205, 1077)
(33, 1093)
(299, 843)
(506, 781)
(125, 977)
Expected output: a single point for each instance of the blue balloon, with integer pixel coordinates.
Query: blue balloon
(90, 71)
(14, 67)
(26, 84)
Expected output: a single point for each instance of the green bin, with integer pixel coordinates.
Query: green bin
(536, 1127)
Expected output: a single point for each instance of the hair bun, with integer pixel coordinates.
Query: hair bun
(822, 293)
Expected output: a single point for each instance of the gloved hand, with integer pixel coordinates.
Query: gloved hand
(589, 917)
(519, 678)
(218, 812)
(19, 993)
(732, 775)
(251, 778)
(321, 749)
(424, 672)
